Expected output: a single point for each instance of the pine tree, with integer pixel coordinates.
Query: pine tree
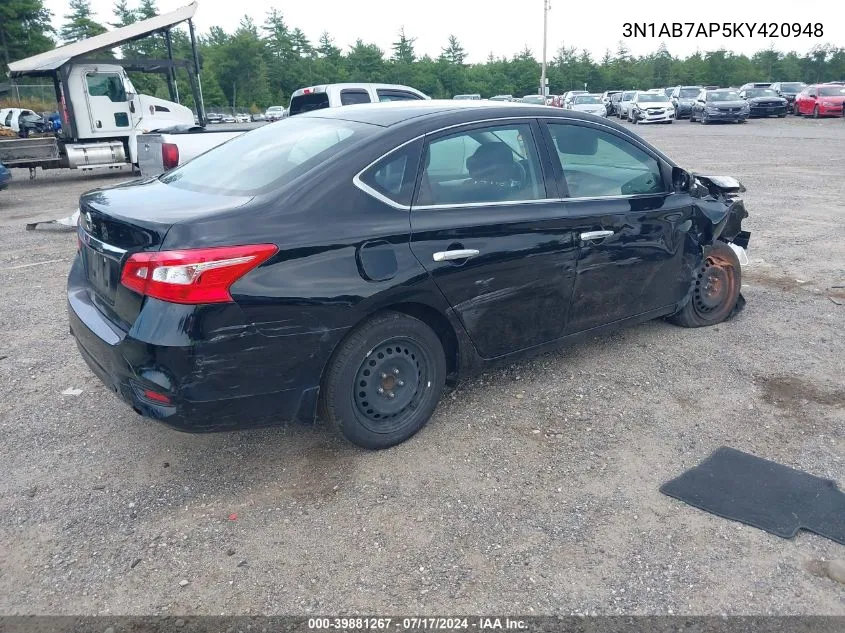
(125, 16)
(80, 23)
(25, 30)
(454, 52)
(403, 50)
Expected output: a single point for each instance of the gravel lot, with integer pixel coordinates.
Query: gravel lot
(533, 490)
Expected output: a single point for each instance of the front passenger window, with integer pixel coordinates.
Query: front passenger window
(491, 164)
(598, 164)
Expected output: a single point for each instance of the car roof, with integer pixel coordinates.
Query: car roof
(448, 111)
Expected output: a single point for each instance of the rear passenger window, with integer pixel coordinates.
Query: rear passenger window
(396, 95)
(600, 164)
(492, 164)
(394, 176)
(351, 97)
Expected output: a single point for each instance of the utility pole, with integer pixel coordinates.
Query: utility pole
(545, 31)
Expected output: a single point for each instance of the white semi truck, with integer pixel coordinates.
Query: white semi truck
(102, 113)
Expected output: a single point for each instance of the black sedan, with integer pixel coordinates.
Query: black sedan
(764, 102)
(348, 262)
(724, 105)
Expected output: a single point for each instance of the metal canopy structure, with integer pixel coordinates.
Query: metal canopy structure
(47, 63)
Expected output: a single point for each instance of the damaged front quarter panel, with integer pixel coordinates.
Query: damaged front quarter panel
(720, 210)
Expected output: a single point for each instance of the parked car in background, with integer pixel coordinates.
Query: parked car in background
(5, 176)
(468, 97)
(534, 99)
(591, 104)
(788, 90)
(502, 98)
(625, 104)
(13, 117)
(667, 92)
(612, 104)
(272, 278)
(606, 98)
(651, 107)
(720, 105)
(229, 118)
(764, 102)
(338, 95)
(683, 98)
(242, 117)
(274, 113)
(258, 116)
(213, 117)
(569, 97)
(820, 100)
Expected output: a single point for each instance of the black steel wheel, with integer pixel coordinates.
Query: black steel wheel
(389, 384)
(384, 381)
(715, 289)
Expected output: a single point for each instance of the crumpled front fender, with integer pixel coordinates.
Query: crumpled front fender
(720, 210)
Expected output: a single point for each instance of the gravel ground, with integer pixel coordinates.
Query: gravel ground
(533, 490)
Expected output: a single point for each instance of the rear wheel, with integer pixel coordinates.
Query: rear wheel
(384, 381)
(715, 291)
(816, 112)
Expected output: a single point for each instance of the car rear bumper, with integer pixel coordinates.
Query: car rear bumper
(250, 380)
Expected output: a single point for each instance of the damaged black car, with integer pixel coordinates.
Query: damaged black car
(346, 264)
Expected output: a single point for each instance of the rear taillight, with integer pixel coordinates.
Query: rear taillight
(202, 275)
(169, 155)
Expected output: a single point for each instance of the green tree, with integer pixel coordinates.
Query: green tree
(403, 49)
(454, 52)
(24, 30)
(80, 23)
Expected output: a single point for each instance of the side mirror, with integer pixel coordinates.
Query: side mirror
(681, 180)
(130, 96)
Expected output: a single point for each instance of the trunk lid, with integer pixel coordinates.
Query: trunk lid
(115, 223)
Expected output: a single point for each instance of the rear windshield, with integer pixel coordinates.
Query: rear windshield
(582, 99)
(791, 88)
(651, 97)
(727, 95)
(627, 96)
(760, 92)
(306, 103)
(268, 157)
(689, 93)
(832, 91)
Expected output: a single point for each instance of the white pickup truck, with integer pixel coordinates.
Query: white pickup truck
(166, 149)
(169, 148)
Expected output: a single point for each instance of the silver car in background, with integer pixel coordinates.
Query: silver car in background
(589, 103)
(625, 104)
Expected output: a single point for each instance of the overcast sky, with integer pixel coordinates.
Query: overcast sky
(505, 28)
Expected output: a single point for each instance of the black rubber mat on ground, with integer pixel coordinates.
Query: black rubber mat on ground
(767, 495)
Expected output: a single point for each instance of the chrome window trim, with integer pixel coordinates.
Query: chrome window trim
(356, 179)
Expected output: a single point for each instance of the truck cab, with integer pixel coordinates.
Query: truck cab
(103, 104)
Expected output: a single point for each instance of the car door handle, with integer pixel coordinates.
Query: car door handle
(458, 253)
(595, 235)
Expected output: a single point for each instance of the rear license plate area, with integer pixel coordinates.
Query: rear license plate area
(102, 273)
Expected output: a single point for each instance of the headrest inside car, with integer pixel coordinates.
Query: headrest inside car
(491, 161)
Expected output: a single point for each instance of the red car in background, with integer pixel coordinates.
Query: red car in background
(820, 100)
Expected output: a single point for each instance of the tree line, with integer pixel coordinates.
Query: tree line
(257, 65)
